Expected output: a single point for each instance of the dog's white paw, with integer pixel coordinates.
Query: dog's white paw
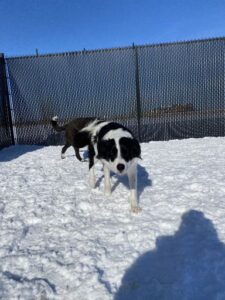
(107, 192)
(136, 209)
(63, 156)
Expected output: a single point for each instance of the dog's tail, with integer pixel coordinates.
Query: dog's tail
(54, 122)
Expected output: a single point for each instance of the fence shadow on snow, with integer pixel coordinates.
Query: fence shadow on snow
(14, 152)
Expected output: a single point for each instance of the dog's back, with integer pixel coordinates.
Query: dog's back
(74, 126)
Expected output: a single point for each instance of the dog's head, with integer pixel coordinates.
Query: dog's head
(119, 154)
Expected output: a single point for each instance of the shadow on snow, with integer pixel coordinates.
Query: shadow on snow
(143, 180)
(188, 265)
(13, 152)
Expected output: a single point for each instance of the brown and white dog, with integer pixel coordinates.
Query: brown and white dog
(115, 146)
(71, 128)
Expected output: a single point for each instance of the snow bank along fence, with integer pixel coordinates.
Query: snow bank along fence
(161, 92)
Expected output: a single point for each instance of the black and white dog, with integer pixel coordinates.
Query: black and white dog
(115, 146)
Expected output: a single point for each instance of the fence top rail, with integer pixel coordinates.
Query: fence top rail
(84, 51)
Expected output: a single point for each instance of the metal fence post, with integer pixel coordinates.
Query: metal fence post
(138, 95)
(6, 97)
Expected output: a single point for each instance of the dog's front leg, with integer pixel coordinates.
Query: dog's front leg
(107, 183)
(132, 176)
(92, 178)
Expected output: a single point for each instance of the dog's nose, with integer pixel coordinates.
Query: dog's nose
(120, 167)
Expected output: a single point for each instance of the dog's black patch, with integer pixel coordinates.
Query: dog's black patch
(81, 139)
(111, 126)
(130, 148)
(107, 150)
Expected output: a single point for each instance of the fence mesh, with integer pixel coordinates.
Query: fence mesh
(180, 91)
(86, 84)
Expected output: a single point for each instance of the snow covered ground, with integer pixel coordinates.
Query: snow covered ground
(61, 240)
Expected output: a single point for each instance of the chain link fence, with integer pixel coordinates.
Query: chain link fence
(88, 84)
(182, 90)
(160, 92)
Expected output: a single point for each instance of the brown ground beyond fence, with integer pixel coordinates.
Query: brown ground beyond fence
(161, 92)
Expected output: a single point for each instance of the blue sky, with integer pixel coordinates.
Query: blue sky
(69, 25)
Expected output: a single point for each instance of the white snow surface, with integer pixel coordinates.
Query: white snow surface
(60, 239)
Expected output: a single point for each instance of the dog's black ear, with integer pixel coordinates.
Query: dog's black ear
(135, 148)
(130, 148)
